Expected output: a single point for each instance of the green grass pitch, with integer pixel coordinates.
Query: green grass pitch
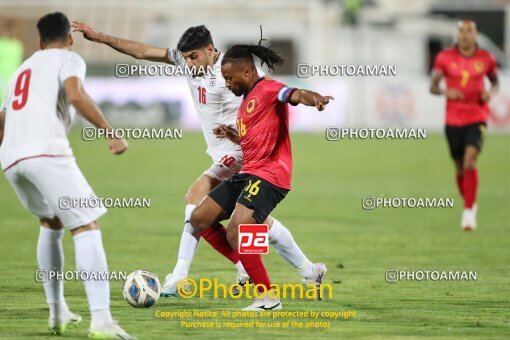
(324, 213)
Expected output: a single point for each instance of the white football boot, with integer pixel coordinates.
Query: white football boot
(317, 278)
(241, 281)
(265, 304)
(109, 331)
(172, 284)
(58, 327)
(468, 222)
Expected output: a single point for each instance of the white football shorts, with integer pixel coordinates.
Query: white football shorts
(226, 166)
(46, 185)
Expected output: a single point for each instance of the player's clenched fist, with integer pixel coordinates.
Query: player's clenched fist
(485, 96)
(117, 145)
(228, 132)
(453, 94)
(88, 31)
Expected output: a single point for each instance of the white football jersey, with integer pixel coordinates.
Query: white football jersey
(215, 104)
(38, 113)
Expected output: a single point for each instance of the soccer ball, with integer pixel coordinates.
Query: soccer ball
(141, 289)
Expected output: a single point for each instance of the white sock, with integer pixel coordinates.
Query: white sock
(241, 269)
(50, 257)
(100, 317)
(305, 269)
(187, 248)
(284, 244)
(189, 241)
(180, 272)
(90, 257)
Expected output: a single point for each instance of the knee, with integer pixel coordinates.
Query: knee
(469, 163)
(196, 193)
(188, 198)
(232, 236)
(81, 229)
(52, 223)
(199, 221)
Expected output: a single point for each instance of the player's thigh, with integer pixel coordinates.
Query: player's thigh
(66, 190)
(225, 195)
(260, 196)
(206, 214)
(200, 188)
(455, 138)
(221, 170)
(28, 193)
(475, 136)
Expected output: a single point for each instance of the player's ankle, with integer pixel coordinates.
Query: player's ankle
(59, 310)
(100, 317)
(306, 269)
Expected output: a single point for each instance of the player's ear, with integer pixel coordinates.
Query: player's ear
(246, 72)
(70, 39)
(210, 50)
(40, 44)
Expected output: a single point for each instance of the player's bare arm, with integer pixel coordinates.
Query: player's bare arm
(229, 132)
(436, 89)
(487, 95)
(2, 120)
(86, 107)
(135, 49)
(310, 98)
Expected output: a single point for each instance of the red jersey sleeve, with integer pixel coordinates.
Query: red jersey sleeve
(440, 63)
(279, 91)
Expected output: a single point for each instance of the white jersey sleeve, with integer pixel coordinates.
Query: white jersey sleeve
(176, 58)
(72, 66)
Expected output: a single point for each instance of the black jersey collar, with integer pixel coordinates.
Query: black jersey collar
(255, 84)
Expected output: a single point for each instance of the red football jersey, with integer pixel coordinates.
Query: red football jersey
(263, 126)
(466, 74)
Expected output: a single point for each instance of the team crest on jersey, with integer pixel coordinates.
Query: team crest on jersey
(478, 66)
(212, 81)
(251, 105)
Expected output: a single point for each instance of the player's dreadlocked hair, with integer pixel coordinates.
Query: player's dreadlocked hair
(266, 55)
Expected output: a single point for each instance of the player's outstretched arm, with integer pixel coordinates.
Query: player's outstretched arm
(86, 107)
(310, 98)
(135, 49)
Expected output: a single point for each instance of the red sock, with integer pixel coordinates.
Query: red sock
(460, 181)
(469, 187)
(252, 263)
(255, 268)
(217, 237)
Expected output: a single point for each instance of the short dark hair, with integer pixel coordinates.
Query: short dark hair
(53, 27)
(467, 19)
(194, 38)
